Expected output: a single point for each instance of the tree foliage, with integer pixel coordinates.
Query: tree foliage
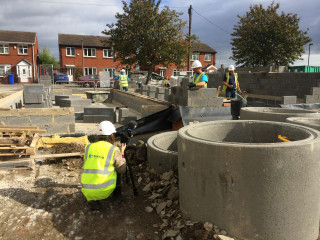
(147, 36)
(46, 58)
(263, 37)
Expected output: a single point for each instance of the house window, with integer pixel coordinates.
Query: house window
(207, 57)
(162, 72)
(4, 70)
(89, 52)
(107, 53)
(90, 71)
(23, 49)
(71, 51)
(4, 49)
(110, 71)
(195, 56)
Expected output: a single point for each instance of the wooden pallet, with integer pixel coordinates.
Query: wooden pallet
(19, 140)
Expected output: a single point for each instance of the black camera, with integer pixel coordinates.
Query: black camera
(126, 133)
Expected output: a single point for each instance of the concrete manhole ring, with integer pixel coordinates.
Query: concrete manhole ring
(273, 113)
(312, 122)
(163, 151)
(240, 176)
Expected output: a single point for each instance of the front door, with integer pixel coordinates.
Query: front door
(70, 74)
(24, 73)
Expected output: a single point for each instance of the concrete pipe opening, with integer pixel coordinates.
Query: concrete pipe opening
(274, 114)
(308, 122)
(241, 177)
(163, 151)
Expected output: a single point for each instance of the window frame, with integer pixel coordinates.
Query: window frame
(86, 50)
(6, 69)
(107, 50)
(70, 48)
(195, 56)
(23, 48)
(207, 54)
(87, 71)
(4, 47)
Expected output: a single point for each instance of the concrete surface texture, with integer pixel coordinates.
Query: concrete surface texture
(239, 176)
(312, 122)
(274, 114)
(162, 151)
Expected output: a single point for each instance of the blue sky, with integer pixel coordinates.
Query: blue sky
(212, 20)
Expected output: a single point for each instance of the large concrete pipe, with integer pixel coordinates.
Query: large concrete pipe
(273, 113)
(313, 122)
(163, 151)
(239, 176)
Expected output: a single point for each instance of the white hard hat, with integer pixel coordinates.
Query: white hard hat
(231, 68)
(123, 71)
(196, 64)
(106, 128)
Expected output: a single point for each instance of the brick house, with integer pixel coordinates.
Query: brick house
(201, 51)
(18, 56)
(84, 54)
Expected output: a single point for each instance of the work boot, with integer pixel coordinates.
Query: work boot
(94, 205)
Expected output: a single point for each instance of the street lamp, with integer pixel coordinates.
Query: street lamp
(309, 53)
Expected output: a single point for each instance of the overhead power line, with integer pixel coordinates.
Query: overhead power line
(211, 22)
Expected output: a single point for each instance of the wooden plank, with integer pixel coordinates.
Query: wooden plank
(57, 155)
(32, 149)
(19, 127)
(11, 130)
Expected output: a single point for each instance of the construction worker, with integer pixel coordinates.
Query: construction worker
(103, 164)
(230, 83)
(124, 79)
(200, 79)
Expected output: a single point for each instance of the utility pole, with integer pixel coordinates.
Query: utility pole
(310, 44)
(189, 47)
(82, 57)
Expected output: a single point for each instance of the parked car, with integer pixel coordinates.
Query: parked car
(60, 77)
(89, 81)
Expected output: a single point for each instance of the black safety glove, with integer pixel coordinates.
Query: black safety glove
(191, 85)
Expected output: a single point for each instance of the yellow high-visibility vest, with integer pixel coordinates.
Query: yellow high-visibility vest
(124, 81)
(197, 80)
(99, 177)
(224, 88)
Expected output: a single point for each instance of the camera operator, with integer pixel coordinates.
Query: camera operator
(103, 164)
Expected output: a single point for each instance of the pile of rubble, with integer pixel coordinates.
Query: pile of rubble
(162, 192)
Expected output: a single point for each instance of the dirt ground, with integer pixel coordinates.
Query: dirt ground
(46, 203)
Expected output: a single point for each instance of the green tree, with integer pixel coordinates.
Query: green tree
(263, 37)
(46, 58)
(146, 36)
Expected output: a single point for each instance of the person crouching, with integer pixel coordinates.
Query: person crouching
(103, 164)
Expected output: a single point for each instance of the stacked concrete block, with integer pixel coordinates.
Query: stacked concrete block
(58, 98)
(97, 114)
(45, 80)
(37, 96)
(144, 90)
(289, 99)
(152, 91)
(125, 116)
(203, 97)
(77, 103)
(314, 97)
(160, 93)
(185, 81)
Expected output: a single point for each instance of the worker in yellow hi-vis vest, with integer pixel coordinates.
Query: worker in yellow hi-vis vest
(103, 164)
(231, 83)
(124, 80)
(200, 79)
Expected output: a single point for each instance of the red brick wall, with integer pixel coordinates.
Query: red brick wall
(171, 67)
(13, 58)
(98, 62)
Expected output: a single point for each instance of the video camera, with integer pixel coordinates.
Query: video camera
(126, 133)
